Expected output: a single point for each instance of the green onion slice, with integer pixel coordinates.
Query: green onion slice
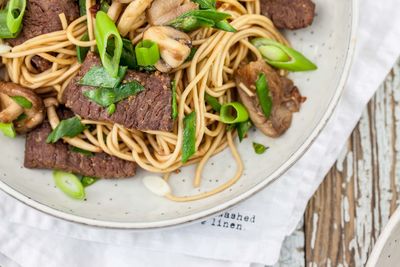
(264, 98)
(259, 148)
(193, 51)
(99, 77)
(87, 181)
(8, 129)
(15, 14)
(281, 56)
(22, 101)
(174, 102)
(242, 129)
(81, 52)
(82, 7)
(21, 117)
(147, 53)
(213, 102)
(66, 128)
(111, 109)
(128, 57)
(233, 112)
(189, 136)
(69, 184)
(106, 30)
(11, 18)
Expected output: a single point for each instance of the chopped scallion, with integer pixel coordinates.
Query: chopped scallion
(174, 103)
(81, 52)
(87, 181)
(147, 53)
(242, 129)
(111, 109)
(233, 112)
(105, 31)
(22, 101)
(259, 148)
(264, 98)
(11, 18)
(69, 184)
(213, 102)
(8, 129)
(281, 56)
(189, 136)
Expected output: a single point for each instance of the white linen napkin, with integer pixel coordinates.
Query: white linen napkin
(30, 238)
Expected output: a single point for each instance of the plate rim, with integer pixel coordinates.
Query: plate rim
(202, 215)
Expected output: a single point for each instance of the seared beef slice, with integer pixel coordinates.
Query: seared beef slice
(150, 109)
(40, 155)
(289, 14)
(42, 16)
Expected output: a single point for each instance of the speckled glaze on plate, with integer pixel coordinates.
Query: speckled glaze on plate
(386, 250)
(126, 204)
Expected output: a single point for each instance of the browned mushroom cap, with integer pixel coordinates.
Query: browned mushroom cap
(174, 45)
(285, 98)
(163, 11)
(10, 110)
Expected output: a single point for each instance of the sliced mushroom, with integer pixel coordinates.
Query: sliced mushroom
(174, 45)
(286, 98)
(10, 110)
(163, 11)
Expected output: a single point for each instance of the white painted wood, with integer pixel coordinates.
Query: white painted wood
(346, 215)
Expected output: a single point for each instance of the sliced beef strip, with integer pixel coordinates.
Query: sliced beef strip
(286, 98)
(150, 109)
(42, 16)
(40, 155)
(289, 14)
(40, 64)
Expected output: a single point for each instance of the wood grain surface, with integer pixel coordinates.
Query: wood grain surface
(347, 213)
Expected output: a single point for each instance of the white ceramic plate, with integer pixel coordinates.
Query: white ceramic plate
(127, 204)
(386, 250)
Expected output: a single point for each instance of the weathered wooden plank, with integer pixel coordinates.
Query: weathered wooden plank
(347, 213)
(292, 253)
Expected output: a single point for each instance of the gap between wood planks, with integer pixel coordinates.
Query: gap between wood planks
(347, 213)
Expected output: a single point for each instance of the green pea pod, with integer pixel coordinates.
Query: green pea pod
(190, 23)
(240, 113)
(207, 14)
(281, 56)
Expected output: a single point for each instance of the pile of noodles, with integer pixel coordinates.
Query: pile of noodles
(218, 55)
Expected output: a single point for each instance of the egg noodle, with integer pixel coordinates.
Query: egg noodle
(211, 71)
